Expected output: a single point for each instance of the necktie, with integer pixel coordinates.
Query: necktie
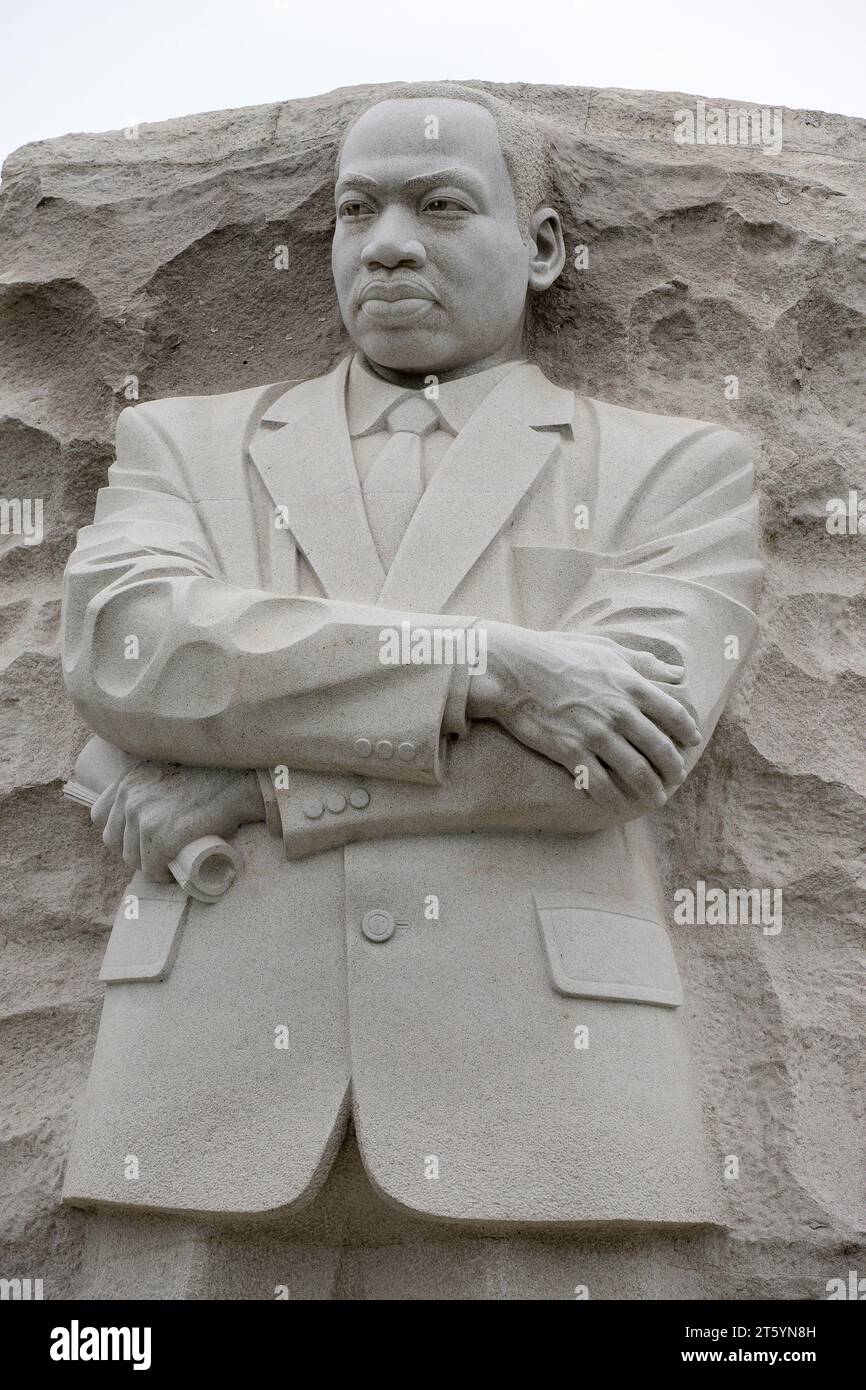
(393, 487)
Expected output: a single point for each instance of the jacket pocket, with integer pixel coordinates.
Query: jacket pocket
(598, 952)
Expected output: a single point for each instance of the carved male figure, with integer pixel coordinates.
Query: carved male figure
(458, 887)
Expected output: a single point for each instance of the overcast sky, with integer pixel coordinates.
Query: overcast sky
(70, 65)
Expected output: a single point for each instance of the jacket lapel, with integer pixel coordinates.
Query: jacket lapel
(304, 455)
(492, 463)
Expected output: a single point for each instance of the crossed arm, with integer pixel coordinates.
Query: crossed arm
(492, 780)
(232, 678)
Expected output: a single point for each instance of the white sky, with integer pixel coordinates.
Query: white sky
(70, 65)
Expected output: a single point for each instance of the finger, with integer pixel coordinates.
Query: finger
(653, 668)
(630, 770)
(132, 842)
(668, 714)
(602, 789)
(112, 835)
(656, 747)
(155, 855)
(101, 808)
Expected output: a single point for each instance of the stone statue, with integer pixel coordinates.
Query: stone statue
(428, 639)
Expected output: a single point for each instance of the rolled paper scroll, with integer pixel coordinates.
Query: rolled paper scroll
(206, 868)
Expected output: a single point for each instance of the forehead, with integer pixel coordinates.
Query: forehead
(396, 139)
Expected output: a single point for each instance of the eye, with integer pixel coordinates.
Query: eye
(443, 204)
(353, 209)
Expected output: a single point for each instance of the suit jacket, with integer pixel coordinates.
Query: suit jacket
(468, 954)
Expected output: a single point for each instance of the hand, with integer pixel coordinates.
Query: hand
(586, 701)
(157, 808)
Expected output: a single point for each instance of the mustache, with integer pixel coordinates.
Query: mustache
(405, 285)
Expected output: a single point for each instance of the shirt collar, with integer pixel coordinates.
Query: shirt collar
(369, 398)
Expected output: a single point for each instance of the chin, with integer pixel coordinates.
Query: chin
(410, 352)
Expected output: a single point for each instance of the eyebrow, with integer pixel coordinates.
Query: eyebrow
(416, 181)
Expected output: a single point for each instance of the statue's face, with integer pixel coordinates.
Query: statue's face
(429, 262)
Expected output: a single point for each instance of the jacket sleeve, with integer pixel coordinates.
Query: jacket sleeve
(169, 661)
(679, 571)
(491, 783)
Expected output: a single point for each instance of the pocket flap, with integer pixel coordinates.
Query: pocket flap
(602, 953)
(143, 947)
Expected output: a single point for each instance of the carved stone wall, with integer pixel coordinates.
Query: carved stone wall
(149, 259)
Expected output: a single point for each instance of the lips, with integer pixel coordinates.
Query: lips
(392, 291)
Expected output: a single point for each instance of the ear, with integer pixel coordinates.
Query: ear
(546, 248)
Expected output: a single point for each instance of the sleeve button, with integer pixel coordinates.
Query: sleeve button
(313, 809)
(384, 748)
(336, 803)
(406, 751)
(363, 747)
(359, 798)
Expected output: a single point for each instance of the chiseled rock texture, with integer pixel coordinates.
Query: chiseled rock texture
(153, 258)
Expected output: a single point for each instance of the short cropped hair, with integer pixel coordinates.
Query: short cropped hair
(523, 139)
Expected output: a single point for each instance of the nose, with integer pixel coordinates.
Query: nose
(392, 243)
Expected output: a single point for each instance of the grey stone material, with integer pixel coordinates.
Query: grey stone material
(451, 1038)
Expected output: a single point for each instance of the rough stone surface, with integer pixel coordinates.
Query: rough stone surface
(153, 258)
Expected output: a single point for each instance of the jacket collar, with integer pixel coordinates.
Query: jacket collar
(370, 399)
(303, 453)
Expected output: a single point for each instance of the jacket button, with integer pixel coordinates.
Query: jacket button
(406, 751)
(336, 803)
(363, 747)
(359, 798)
(313, 809)
(384, 748)
(377, 925)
